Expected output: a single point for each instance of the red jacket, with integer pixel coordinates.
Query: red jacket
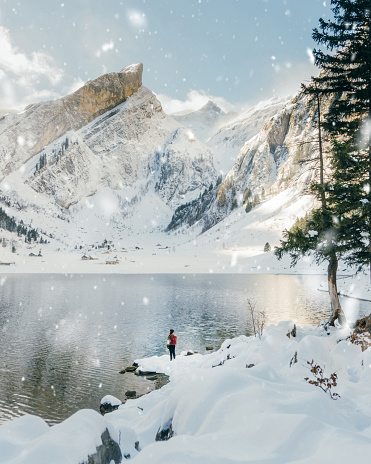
(173, 339)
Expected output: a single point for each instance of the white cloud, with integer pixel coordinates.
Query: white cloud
(27, 68)
(21, 74)
(195, 100)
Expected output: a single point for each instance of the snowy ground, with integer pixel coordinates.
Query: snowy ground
(247, 402)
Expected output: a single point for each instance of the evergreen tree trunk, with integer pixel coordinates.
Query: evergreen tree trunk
(337, 312)
(368, 128)
(321, 165)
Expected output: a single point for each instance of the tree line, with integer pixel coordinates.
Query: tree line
(10, 224)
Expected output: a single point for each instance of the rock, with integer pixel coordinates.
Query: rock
(131, 394)
(106, 408)
(249, 366)
(104, 93)
(145, 373)
(152, 377)
(294, 359)
(209, 348)
(108, 404)
(122, 371)
(161, 380)
(189, 353)
(292, 332)
(107, 452)
(130, 369)
(166, 432)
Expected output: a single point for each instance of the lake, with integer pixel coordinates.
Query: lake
(64, 338)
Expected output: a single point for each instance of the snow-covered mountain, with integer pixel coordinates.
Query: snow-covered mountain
(103, 155)
(274, 159)
(226, 133)
(227, 142)
(205, 122)
(107, 163)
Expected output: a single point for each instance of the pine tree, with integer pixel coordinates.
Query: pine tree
(340, 227)
(347, 76)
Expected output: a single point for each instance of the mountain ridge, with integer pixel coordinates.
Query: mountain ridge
(127, 171)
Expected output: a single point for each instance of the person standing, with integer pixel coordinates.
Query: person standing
(171, 342)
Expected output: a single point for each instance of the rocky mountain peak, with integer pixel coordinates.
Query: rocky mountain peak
(27, 133)
(104, 93)
(211, 107)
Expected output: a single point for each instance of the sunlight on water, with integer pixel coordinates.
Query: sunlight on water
(65, 338)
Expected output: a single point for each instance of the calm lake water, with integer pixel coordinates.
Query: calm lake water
(64, 339)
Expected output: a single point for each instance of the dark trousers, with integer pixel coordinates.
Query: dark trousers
(172, 351)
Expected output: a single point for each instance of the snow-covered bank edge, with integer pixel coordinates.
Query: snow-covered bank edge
(247, 402)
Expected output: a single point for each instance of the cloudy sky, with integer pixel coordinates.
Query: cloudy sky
(236, 52)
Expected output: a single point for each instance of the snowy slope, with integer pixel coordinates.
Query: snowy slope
(230, 138)
(281, 156)
(226, 133)
(205, 122)
(251, 401)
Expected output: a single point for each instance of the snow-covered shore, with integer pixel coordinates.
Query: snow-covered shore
(247, 402)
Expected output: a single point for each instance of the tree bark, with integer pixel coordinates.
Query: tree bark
(337, 312)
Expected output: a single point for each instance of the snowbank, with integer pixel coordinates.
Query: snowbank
(247, 402)
(29, 440)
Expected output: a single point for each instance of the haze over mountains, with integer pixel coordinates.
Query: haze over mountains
(106, 163)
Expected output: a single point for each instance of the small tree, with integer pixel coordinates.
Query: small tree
(258, 319)
(267, 247)
(246, 195)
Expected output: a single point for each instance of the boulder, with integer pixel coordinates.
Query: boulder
(145, 373)
(131, 394)
(292, 332)
(108, 452)
(165, 432)
(130, 369)
(106, 408)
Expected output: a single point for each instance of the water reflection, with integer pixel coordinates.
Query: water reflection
(63, 339)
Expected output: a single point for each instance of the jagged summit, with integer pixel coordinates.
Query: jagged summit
(211, 108)
(206, 121)
(25, 134)
(104, 93)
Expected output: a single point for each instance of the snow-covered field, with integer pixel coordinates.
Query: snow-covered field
(247, 402)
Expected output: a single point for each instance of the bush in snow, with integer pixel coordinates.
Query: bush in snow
(322, 382)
